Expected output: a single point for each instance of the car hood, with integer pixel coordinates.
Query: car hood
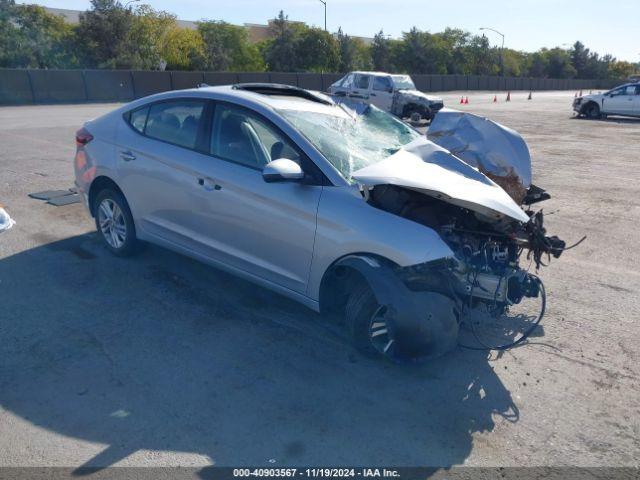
(419, 95)
(482, 143)
(592, 96)
(430, 169)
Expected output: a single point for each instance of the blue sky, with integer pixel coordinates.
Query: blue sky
(606, 27)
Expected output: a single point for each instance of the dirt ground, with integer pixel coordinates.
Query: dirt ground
(159, 360)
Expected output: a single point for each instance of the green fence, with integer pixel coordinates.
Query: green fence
(20, 87)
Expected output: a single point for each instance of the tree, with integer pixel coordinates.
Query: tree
(482, 60)
(103, 34)
(381, 52)
(184, 50)
(559, 65)
(227, 48)
(579, 58)
(457, 45)
(347, 52)
(316, 51)
(147, 38)
(32, 38)
(422, 52)
(280, 50)
(621, 69)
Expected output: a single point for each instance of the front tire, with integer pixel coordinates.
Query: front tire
(592, 111)
(365, 320)
(114, 223)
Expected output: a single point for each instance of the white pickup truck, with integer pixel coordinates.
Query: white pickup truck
(395, 94)
(622, 100)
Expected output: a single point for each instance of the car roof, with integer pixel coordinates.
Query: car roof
(278, 97)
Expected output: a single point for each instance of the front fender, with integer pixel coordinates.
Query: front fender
(347, 224)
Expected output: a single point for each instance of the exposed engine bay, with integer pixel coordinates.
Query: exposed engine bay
(486, 269)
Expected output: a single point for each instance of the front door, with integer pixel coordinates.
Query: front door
(620, 101)
(382, 92)
(265, 229)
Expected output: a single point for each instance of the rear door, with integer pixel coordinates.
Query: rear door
(160, 152)
(636, 104)
(265, 229)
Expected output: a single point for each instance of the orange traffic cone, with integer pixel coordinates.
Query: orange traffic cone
(495, 99)
(466, 101)
(461, 100)
(529, 97)
(508, 96)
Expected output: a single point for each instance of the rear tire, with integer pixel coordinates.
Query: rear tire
(114, 223)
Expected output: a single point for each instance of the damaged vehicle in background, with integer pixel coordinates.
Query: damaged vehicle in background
(396, 94)
(623, 100)
(341, 207)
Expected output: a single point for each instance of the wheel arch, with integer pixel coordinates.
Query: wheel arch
(98, 184)
(343, 275)
(585, 107)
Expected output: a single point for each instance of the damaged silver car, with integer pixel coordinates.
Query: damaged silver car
(343, 208)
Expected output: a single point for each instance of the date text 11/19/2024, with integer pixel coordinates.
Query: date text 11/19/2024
(317, 472)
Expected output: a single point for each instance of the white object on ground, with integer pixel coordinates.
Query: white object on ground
(6, 222)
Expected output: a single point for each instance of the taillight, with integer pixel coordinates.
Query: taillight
(83, 137)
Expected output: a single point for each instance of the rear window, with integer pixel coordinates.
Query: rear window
(175, 122)
(138, 119)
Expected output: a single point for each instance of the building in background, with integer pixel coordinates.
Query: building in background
(257, 31)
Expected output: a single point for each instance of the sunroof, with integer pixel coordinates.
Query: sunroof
(282, 90)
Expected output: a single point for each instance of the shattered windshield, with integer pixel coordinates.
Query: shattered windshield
(403, 82)
(355, 140)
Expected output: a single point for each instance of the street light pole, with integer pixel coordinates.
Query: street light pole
(324, 2)
(501, 48)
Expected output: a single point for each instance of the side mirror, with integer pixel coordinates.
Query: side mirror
(282, 170)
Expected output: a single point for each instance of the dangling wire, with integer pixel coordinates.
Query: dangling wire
(525, 335)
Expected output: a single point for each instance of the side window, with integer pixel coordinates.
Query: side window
(138, 119)
(175, 122)
(243, 137)
(630, 90)
(382, 84)
(619, 91)
(348, 81)
(362, 81)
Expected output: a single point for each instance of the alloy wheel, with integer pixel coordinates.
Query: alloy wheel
(112, 223)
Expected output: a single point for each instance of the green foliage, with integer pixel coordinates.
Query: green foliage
(32, 38)
(280, 51)
(622, 70)
(112, 35)
(147, 38)
(184, 50)
(227, 48)
(103, 35)
(317, 51)
(381, 52)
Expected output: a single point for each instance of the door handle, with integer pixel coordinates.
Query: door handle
(127, 156)
(208, 184)
(372, 94)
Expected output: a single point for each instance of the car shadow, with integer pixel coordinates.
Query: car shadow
(610, 119)
(159, 352)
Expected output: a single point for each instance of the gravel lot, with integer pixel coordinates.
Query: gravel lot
(159, 360)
